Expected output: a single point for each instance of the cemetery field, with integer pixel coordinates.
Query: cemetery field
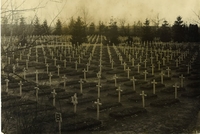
(95, 88)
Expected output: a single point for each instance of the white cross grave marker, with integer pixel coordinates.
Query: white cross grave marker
(133, 79)
(119, 93)
(7, 81)
(54, 97)
(128, 71)
(74, 101)
(81, 85)
(145, 75)
(115, 78)
(143, 98)
(50, 75)
(168, 70)
(20, 88)
(175, 87)
(65, 78)
(181, 77)
(36, 93)
(154, 86)
(98, 104)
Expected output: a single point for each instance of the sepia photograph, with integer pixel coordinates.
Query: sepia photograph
(100, 66)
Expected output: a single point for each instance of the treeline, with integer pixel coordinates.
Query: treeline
(178, 32)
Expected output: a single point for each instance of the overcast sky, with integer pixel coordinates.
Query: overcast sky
(129, 10)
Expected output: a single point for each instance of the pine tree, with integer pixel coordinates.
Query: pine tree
(58, 29)
(45, 28)
(147, 33)
(178, 30)
(78, 32)
(37, 27)
(165, 32)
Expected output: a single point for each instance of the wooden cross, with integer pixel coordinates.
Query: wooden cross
(156, 57)
(175, 87)
(188, 69)
(167, 58)
(99, 87)
(14, 68)
(87, 66)
(36, 76)
(133, 62)
(181, 77)
(24, 70)
(36, 58)
(145, 75)
(138, 68)
(152, 69)
(65, 78)
(140, 59)
(50, 75)
(133, 79)
(145, 63)
(20, 88)
(163, 59)
(26, 64)
(84, 73)
(115, 78)
(58, 70)
(20, 56)
(136, 55)
(154, 86)
(161, 76)
(143, 100)
(17, 60)
(119, 93)
(60, 56)
(55, 61)
(70, 58)
(151, 59)
(176, 62)
(64, 61)
(81, 85)
(79, 59)
(121, 60)
(73, 54)
(128, 71)
(47, 65)
(36, 93)
(45, 60)
(98, 104)
(76, 65)
(100, 68)
(112, 61)
(168, 70)
(129, 57)
(7, 81)
(74, 101)
(54, 97)
(159, 65)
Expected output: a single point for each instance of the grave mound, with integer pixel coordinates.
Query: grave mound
(137, 97)
(150, 86)
(104, 106)
(172, 90)
(81, 124)
(118, 80)
(191, 93)
(126, 92)
(138, 82)
(164, 102)
(194, 85)
(127, 112)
